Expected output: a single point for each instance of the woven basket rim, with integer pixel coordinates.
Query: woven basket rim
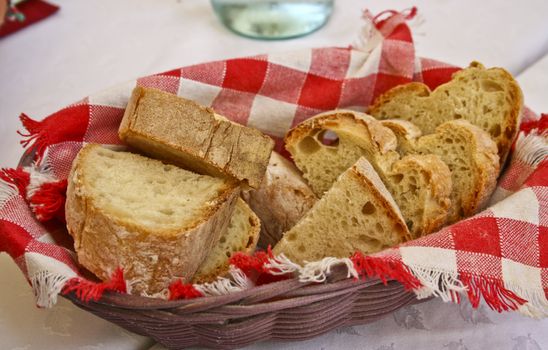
(291, 289)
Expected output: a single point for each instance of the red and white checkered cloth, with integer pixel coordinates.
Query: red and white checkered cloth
(500, 254)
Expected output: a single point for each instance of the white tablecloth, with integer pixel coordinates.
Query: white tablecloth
(91, 45)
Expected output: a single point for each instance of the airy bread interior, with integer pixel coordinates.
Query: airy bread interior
(155, 221)
(326, 145)
(469, 153)
(356, 213)
(488, 98)
(146, 192)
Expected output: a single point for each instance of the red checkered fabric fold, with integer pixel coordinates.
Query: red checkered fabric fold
(500, 254)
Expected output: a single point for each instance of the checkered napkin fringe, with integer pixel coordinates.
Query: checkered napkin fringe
(501, 254)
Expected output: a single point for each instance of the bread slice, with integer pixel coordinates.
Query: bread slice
(172, 128)
(488, 98)
(420, 185)
(356, 214)
(281, 200)
(155, 221)
(468, 151)
(241, 235)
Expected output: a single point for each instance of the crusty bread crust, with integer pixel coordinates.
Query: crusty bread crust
(438, 178)
(181, 131)
(150, 259)
(363, 126)
(405, 101)
(208, 274)
(479, 147)
(379, 144)
(281, 200)
(363, 171)
(486, 160)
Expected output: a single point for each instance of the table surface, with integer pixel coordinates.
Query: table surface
(90, 45)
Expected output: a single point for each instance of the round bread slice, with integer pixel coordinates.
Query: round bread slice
(356, 214)
(241, 235)
(490, 98)
(468, 151)
(326, 145)
(155, 221)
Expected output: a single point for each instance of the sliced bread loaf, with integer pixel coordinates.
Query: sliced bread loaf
(178, 130)
(281, 200)
(155, 221)
(356, 214)
(325, 146)
(488, 98)
(241, 235)
(468, 151)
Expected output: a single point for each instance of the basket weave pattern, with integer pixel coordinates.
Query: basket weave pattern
(285, 310)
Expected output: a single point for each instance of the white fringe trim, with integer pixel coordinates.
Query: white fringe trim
(163, 294)
(239, 277)
(369, 36)
(415, 24)
(46, 286)
(537, 304)
(281, 265)
(442, 284)
(318, 271)
(7, 190)
(38, 177)
(222, 286)
(533, 148)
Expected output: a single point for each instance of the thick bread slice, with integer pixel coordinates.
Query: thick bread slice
(468, 151)
(488, 98)
(172, 128)
(329, 143)
(241, 235)
(155, 221)
(281, 200)
(420, 185)
(356, 214)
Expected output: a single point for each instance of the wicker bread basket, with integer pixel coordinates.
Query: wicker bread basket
(286, 310)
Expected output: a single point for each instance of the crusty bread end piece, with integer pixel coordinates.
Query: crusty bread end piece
(155, 221)
(488, 98)
(281, 200)
(241, 235)
(181, 131)
(356, 214)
